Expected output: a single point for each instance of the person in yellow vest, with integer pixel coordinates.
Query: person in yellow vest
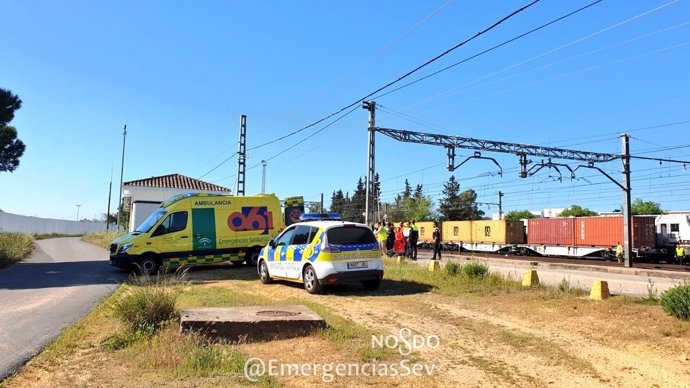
(619, 253)
(382, 235)
(680, 254)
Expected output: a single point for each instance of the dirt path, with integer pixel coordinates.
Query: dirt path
(504, 343)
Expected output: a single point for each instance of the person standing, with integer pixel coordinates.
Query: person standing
(436, 237)
(406, 237)
(619, 253)
(382, 236)
(680, 254)
(390, 237)
(414, 237)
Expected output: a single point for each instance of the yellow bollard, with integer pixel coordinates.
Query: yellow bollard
(434, 265)
(400, 260)
(531, 279)
(600, 290)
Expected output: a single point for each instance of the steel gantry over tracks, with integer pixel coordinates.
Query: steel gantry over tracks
(522, 150)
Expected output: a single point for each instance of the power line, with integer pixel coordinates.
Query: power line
(409, 73)
(492, 48)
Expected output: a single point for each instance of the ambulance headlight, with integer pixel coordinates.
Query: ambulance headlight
(125, 247)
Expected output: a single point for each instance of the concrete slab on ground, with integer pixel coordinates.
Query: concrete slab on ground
(248, 324)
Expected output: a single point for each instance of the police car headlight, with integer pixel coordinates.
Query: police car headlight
(125, 247)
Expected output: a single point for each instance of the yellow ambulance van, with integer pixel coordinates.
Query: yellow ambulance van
(191, 229)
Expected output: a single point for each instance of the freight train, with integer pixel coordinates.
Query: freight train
(653, 237)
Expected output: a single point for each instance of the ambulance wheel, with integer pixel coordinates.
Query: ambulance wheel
(372, 284)
(252, 257)
(311, 281)
(263, 273)
(148, 265)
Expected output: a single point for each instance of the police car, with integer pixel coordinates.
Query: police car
(322, 251)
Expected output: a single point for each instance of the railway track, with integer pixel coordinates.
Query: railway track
(563, 260)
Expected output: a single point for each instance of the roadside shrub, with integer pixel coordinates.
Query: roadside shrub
(149, 303)
(14, 247)
(452, 268)
(475, 270)
(101, 239)
(676, 301)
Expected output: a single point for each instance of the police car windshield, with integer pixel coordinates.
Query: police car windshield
(151, 221)
(350, 235)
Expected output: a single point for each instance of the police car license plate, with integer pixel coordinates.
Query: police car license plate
(357, 265)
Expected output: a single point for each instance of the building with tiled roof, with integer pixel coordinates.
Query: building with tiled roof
(143, 196)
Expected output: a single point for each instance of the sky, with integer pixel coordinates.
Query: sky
(180, 74)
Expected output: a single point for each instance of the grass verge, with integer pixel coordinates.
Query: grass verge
(101, 239)
(453, 279)
(14, 247)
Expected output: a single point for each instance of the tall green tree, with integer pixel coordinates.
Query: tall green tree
(338, 202)
(11, 148)
(640, 207)
(450, 204)
(355, 209)
(577, 211)
(456, 206)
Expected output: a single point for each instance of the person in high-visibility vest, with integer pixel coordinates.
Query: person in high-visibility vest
(619, 253)
(382, 236)
(680, 254)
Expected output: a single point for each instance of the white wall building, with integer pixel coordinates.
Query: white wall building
(144, 196)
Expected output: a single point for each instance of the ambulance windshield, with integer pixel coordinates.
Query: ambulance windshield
(151, 221)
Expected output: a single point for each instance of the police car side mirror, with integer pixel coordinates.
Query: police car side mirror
(272, 244)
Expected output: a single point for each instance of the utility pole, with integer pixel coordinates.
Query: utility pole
(263, 177)
(78, 212)
(627, 210)
(500, 205)
(110, 194)
(371, 161)
(321, 204)
(122, 170)
(241, 156)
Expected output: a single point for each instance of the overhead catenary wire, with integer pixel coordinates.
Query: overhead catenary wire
(402, 77)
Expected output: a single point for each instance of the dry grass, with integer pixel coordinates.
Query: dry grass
(14, 247)
(492, 333)
(101, 239)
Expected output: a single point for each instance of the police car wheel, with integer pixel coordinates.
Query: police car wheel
(148, 265)
(263, 273)
(311, 281)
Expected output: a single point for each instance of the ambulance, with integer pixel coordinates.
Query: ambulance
(323, 252)
(193, 229)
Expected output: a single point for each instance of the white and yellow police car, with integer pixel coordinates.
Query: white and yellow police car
(320, 251)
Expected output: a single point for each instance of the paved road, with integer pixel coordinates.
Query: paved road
(60, 283)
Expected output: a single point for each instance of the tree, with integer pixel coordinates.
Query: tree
(456, 206)
(450, 203)
(11, 148)
(577, 211)
(640, 207)
(357, 204)
(338, 202)
(517, 215)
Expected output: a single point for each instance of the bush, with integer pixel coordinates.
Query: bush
(475, 270)
(14, 247)
(676, 301)
(101, 239)
(149, 303)
(453, 269)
